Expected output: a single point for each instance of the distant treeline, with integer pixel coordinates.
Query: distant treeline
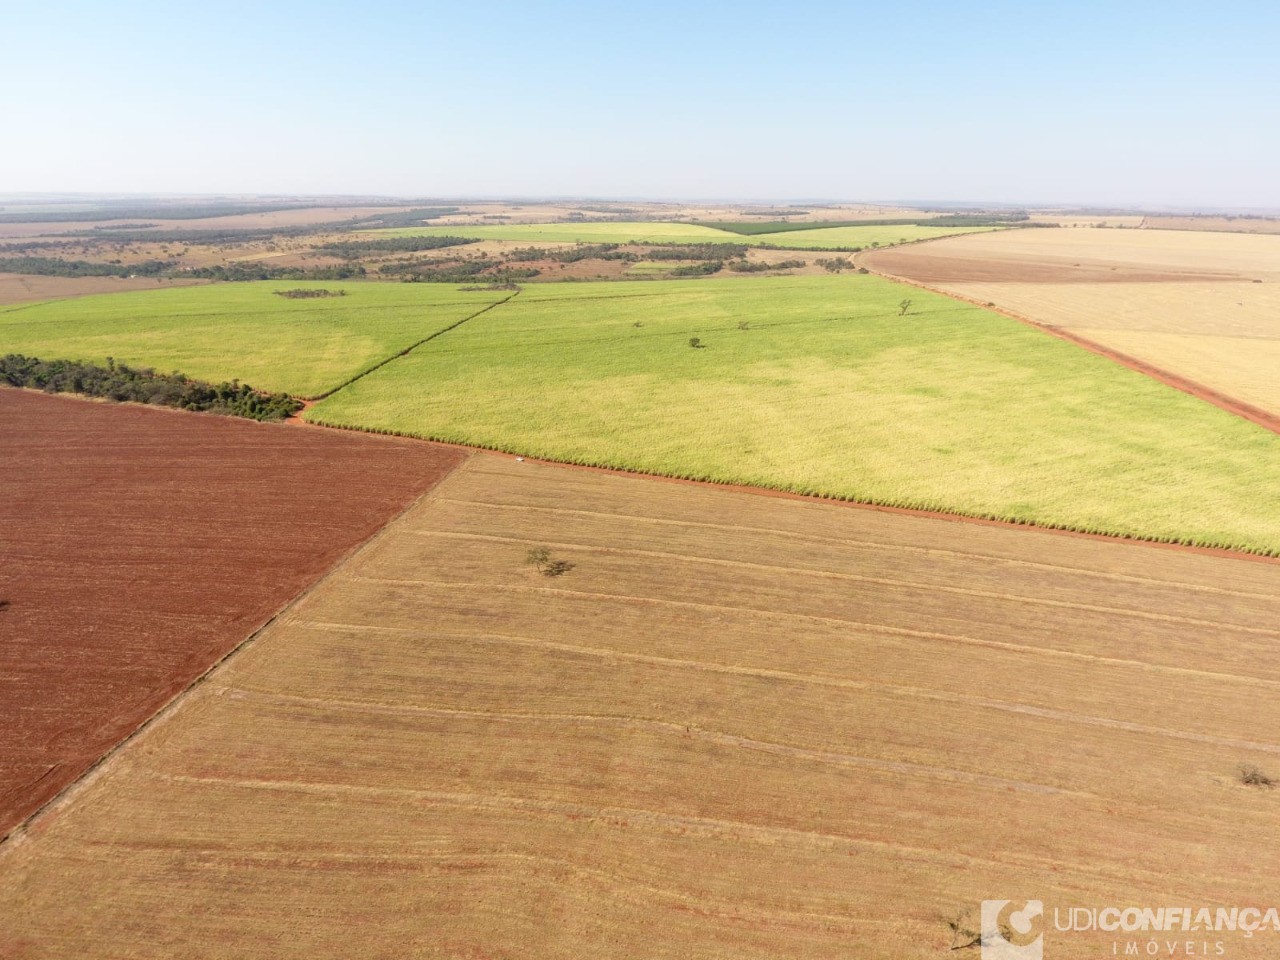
(149, 211)
(747, 266)
(119, 382)
(238, 272)
(351, 249)
(751, 229)
(460, 271)
(583, 251)
(53, 267)
(406, 218)
(697, 251)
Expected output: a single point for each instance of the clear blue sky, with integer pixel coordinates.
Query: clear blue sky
(1104, 103)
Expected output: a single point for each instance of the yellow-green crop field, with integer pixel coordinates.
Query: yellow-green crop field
(243, 331)
(813, 384)
(817, 385)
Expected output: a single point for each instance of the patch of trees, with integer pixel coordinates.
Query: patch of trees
(703, 269)
(351, 249)
(55, 267)
(309, 293)
(239, 272)
(747, 266)
(406, 218)
(585, 251)
(119, 382)
(110, 211)
(697, 251)
(835, 264)
(460, 271)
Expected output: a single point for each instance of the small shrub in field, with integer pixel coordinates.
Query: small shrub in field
(696, 343)
(964, 931)
(1251, 776)
(540, 557)
(556, 568)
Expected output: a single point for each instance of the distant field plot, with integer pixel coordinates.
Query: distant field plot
(738, 728)
(826, 238)
(141, 545)
(613, 232)
(243, 331)
(818, 385)
(1205, 306)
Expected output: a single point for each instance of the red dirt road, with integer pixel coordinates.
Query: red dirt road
(140, 546)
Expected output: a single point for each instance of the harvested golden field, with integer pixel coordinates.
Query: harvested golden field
(1226, 224)
(738, 726)
(21, 287)
(1203, 306)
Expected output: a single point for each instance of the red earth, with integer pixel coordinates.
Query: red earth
(141, 545)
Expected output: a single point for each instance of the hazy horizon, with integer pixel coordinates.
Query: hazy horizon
(1134, 106)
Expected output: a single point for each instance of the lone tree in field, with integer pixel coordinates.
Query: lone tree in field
(903, 307)
(695, 342)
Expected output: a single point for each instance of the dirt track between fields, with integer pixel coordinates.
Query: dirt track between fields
(141, 545)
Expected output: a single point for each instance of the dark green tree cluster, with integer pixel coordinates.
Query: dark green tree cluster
(54, 267)
(117, 381)
(309, 293)
(697, 251)
(351, 249)
(258, 271)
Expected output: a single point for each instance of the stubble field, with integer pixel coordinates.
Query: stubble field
(1203, 306)
(737, 727)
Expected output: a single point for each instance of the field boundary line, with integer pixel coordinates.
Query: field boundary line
(1231, 553)
(409, 349)
(22, 829)
(1246, 411)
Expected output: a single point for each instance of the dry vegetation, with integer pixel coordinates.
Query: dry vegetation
(1204, 306)
(738, 726)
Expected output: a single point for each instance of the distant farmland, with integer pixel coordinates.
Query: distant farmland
(817, 385)
(738, 728)
(244, 330)
(1201, 305)
(829, 238)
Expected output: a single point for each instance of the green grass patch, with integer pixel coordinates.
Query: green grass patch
(243, 331)
(653, 267)
(824, 238)
(828, 391)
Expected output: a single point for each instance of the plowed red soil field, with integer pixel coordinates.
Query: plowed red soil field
(141, 545)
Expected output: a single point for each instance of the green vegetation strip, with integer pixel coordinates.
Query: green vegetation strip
(123, 383)
(815, 238)
(302, 346)
(817, 385)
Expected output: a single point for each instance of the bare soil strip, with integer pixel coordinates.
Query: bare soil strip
(141, 545)
(738, 726)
